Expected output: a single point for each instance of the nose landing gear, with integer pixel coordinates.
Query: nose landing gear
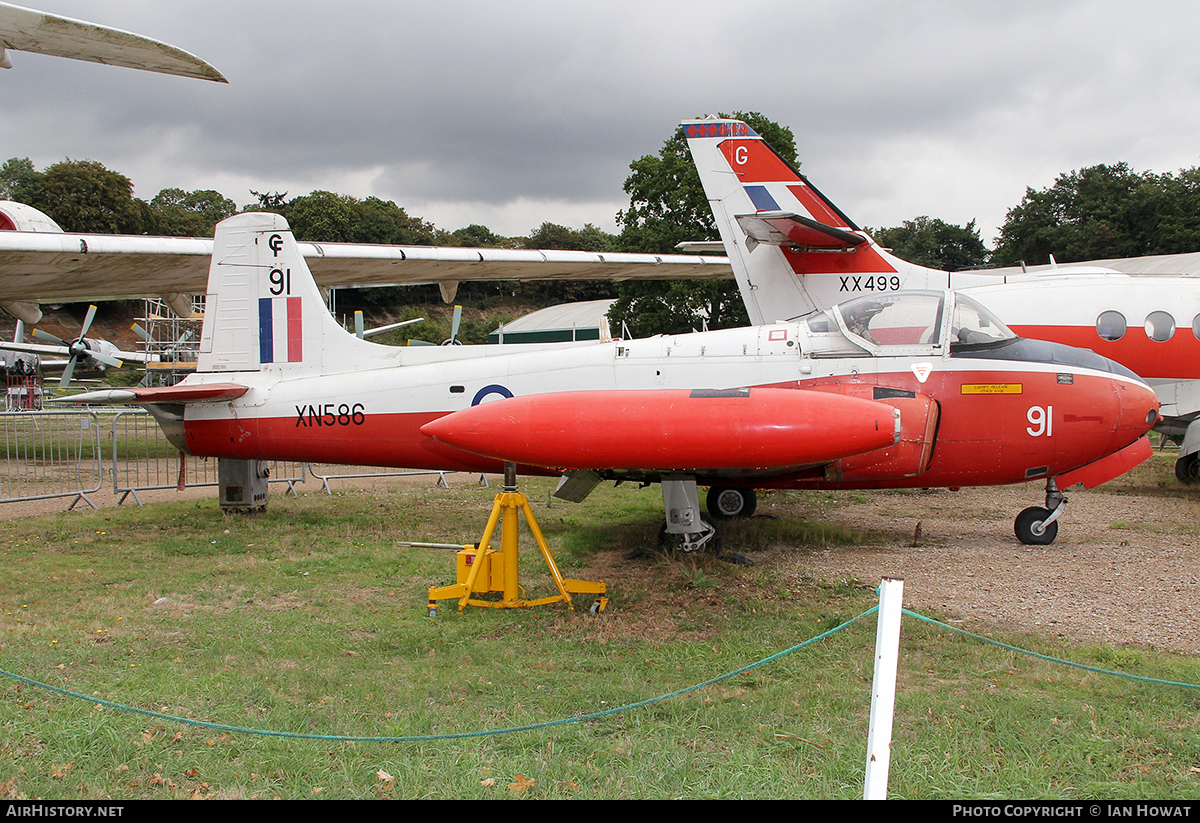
(1037, 526)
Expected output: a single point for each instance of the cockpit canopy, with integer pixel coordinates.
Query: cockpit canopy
(905, 322)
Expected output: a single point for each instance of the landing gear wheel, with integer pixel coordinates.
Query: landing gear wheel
(725, 503)
(692, 542)
(1029, 529)
(1187, 468)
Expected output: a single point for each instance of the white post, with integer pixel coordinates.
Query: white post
(883, 689)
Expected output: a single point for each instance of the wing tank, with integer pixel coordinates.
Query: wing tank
(766, 429)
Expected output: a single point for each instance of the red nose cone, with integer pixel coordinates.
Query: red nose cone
(671, 429)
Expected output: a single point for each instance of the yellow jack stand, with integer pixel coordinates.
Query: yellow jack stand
(484, 570)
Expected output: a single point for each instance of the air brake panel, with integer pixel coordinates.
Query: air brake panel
(909, 457)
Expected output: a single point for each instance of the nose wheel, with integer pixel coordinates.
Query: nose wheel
(1037, 526)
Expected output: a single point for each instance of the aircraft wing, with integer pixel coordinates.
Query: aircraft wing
(1164, 264)
(46, 267)
(24, 29)
(43, 349)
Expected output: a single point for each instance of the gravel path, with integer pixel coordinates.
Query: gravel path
(1125, 568)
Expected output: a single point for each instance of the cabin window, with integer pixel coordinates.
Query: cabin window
(1160, 326)
(1111, 325)
(1196, 326)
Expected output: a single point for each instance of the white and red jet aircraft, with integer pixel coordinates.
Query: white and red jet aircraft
(793, 252)
(883, 391)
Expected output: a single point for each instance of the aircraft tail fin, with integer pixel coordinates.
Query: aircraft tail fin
(263, 310)
(792, 250)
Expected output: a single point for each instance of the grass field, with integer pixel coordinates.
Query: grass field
(310, 619)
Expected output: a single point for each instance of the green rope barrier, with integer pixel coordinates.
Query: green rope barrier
(1047, 657)
(427, 738)
(580, 718)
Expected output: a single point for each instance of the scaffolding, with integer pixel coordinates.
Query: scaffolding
(173, 342)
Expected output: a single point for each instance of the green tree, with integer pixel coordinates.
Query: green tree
(477, 236)
(928, 241)
(17, 178)
(667, 206)
(179, 213)
(554, 236)
(84, 196)
(1103, 211)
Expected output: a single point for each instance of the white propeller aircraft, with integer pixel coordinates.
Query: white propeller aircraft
(95, 352)
(39, 263)
(873, 393)
(793, 252)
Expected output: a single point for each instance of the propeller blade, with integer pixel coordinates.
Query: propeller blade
(358, 325)
(19, 334)
(67, 372)
(454, 324)
(106, 359)
(38, 334)
(142, 333)
(87, 321)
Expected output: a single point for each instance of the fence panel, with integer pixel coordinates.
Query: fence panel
(50, 454)
(143, 459)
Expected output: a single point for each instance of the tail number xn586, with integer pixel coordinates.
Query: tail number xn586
(330, 414)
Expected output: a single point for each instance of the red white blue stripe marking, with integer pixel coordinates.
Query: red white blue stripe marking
(280, 330)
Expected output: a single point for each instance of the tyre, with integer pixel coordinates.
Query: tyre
(725, 503)
(1029, 524)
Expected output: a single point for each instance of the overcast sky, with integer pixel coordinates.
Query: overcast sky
(514, 113)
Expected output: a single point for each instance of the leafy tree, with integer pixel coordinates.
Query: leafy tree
(928, 241)
(84, 196)
(179, 213)
(554, 236)
(1103, 211)
(17, 179)
(676, 307)
(477, 236)
(667, 206)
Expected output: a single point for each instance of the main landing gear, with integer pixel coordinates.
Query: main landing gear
(1037, 526)
(1187, 468)
(687, 530)
(726, 503)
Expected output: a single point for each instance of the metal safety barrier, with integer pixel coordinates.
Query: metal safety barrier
(334, 471)
(61, 453)
(143, 459)
(51, 454)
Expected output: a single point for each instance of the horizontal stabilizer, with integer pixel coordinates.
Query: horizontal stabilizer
(183, 393)
(781, 228)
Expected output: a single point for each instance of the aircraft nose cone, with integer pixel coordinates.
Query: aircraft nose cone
(1139, 408)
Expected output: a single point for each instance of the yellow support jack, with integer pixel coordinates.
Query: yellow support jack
(483, 570)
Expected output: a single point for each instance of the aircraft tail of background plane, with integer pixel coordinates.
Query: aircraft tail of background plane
(791, 249)
(263, 311)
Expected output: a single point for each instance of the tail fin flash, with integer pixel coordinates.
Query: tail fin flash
(263, 310)
(779, 230)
